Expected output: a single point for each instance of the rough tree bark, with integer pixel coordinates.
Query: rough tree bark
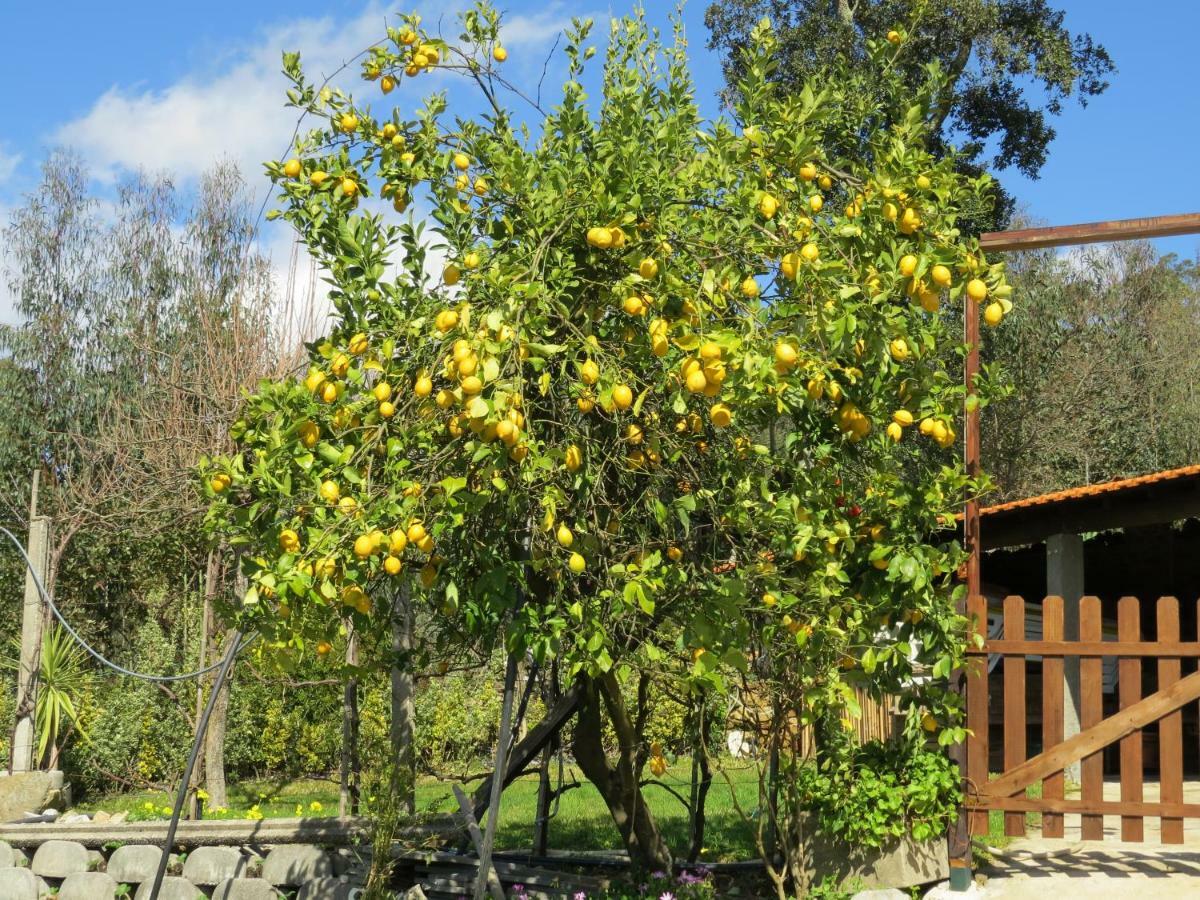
(400, 731)
(348, 795)
(618, 782)
(214, 741)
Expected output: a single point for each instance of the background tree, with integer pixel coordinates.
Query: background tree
(1010, 65)
(1104, 377)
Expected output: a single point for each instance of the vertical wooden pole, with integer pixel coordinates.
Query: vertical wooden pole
(33, 618)
(541, 823)
(977, 714)
(1170, 727)
(1091, 711)
(959, 839)
(1014, 703)
(1052, 711)
(348, 795)
(502, 745)
(1129, 687)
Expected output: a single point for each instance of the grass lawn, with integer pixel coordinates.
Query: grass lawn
(582, 821)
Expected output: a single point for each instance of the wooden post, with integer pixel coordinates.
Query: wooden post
(348, 795)
(1014, 704)
(977, 714)
(33, 617)
(400, 730)
(1129, 689)
(502, 744)
(1052, 711)
(541, 823)
(1091, 711)
(959, 835)
(1170, 728)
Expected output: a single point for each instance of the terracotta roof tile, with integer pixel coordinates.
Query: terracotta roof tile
(1094, 490)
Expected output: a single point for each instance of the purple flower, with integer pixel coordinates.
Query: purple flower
(658, 874)
(518, 890)
(579, 895)
(666, 895)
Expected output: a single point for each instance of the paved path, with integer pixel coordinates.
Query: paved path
(1036, 868)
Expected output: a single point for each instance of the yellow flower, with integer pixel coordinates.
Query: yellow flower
(202, 794)
(299, 810)
(254, 812)
(316, 806)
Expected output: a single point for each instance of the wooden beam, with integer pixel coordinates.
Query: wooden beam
(535, 739)
(1090, 233)
(1092, 740)
(1006, 647)
(1099, 807)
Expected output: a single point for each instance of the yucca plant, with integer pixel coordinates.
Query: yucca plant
(62, 680)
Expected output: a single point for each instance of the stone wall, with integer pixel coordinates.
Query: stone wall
(68, 870)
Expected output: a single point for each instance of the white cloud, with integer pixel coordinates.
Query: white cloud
(8, 163)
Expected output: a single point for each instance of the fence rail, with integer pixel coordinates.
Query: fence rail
(1130, 713)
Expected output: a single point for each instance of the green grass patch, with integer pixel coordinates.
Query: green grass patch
(580, 821)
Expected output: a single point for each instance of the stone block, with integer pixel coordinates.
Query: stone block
(133, 863)
(903, 863)
(30, 792)
(58, 859)
(8, 859)
(246, 889)
(88, 886)
(21, 884)
(328, 889)
(173, 888)
(208, 866)
(295, 864)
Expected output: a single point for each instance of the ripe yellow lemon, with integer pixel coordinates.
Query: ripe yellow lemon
(907, 265)
(696, 382)
(392, 565)
(993, 313)
(816, 203)
(382, 391)
(902, 417)
(894, 37)
(894, 431)
(564, 536)
(462, 162)
(318, 178)
(347, 506)
(589, 372)
(507, 432)
(899, 349)
(422, 386)
(721, 415)
(446, 320)
(785, 355)
(576, 563)
(292, 168)
(810, 251)
(941, 276)
(471, 385)
(387, 409)
(289, 541)
(348, 122)
(768, 206)
(415, 533)
(219, 482)
(750, 288)
(769, 599)
(622, 396)
(309, 433)
(601, 238)
(789, 266)
(451, 274)
(573, 458)
(387, 84)
(808, 172)
(349, 187)
(634, 306)
(330, 492)
(929, 723)
(364, 546)
(675, 554)
(977, 290)
(648, 268)
(499, 54)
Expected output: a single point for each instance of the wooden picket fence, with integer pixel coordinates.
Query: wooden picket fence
(1134, 712)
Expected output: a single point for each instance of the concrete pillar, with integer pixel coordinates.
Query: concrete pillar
(1064, 578)
(32, 621)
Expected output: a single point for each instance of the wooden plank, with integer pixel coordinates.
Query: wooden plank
(1052, 711)
(1093, 739)
(1129, 686)
(1174, 649)
(1090, 233)
(1170, 727)
(1014, 704)
(1091, 702)
(494, 887)
(977, 714)
(1098, 808)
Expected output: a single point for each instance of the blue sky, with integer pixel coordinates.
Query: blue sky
(171, 86)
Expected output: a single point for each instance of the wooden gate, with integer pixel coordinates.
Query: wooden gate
(1129, 715)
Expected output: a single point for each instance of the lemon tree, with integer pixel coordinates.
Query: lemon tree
(620, 386)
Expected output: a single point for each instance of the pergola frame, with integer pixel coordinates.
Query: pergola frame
(1000, 242)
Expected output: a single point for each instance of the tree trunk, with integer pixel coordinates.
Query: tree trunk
(701, 779)
(618, 782)
(214, 741)
(401, 728)
(348, 796)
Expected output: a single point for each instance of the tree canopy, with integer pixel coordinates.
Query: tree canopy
(1008, 66)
